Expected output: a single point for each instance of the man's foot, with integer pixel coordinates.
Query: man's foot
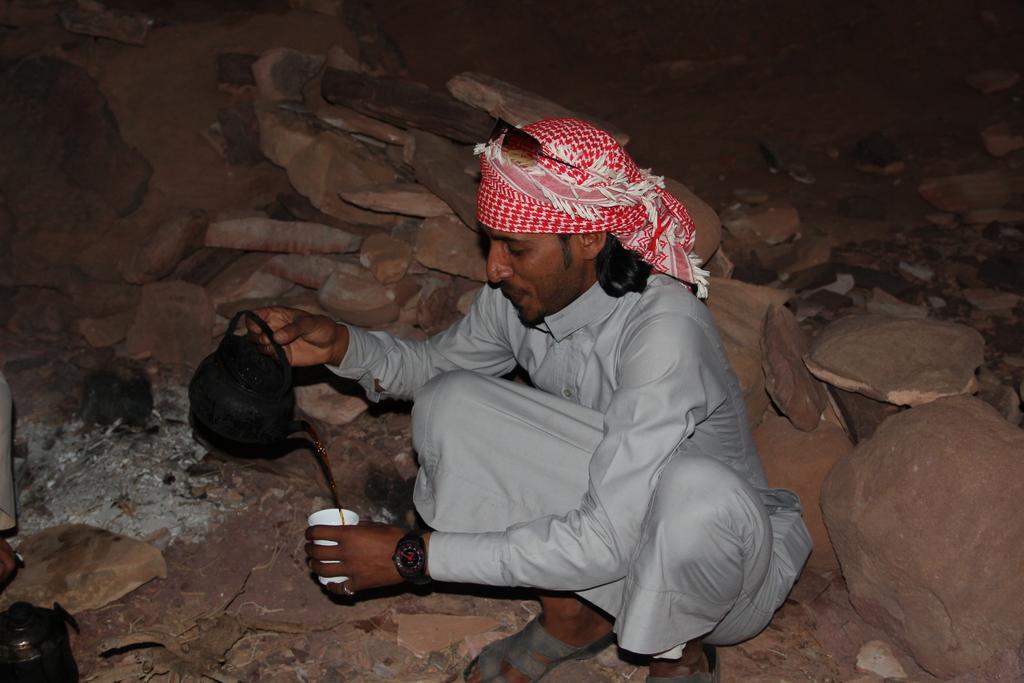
(697, 665)
(567, 630)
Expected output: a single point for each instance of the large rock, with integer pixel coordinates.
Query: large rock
(443, 167)
(925, 518)
(739, 310)
(82, 567)
(794, 391)
(899, 361)
(773, 224)
(358, 300)
(800, 461)
(247, 277)
(324, 402)
(281, 73)
(409, 199)
(386, 257)
(173, 323)
(444, 243)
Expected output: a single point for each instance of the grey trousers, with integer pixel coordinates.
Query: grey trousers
(716, 559)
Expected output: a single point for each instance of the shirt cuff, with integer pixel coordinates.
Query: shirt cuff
(469, 558)
(362, 347)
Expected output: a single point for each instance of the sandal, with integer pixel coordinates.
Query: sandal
(519, 650)
(714, 676)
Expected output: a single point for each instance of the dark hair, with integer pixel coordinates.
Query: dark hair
(620, 270)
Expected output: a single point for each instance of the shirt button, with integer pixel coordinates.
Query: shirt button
(567, 393)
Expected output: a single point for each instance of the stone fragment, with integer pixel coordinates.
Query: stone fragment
(358, 301)
(265, 234)
(999, 140)
(739, 310)
(917, 270)
(441, 166)
(446, 244)
(988, 190)
(993, 80)
(705, 219)
(409, 199)
(877, 153)
(386, 257)
(899, 361)
(1001, 397)
(335, 162)
(340, 58)
(800, 461)
(124, 27)
(166, 247)
(324, 402)
(991, 299)
(107, 330)
(513, 104)
(173, 323)
(795, 392)
(884, 303)
(40, 312)
(245, 278)
(943, 219)
(434, 310)
(801, 254)
(750, 196)
(919, 579)
(281, 73)
(876, 657)
(771, 224)
(426, 633)
(82, 567)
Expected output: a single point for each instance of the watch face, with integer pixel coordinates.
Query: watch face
(410, 557)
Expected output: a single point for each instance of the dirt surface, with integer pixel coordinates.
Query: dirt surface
(810, 78)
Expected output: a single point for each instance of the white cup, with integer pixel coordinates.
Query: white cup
(332, 517)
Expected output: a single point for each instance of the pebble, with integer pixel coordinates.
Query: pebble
(920, 272)
(876, 657)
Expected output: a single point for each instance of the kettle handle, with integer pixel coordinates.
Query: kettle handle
(283, 359)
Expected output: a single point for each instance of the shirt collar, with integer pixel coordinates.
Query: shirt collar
(591, 306)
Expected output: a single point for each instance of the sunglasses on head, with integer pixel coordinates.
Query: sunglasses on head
(520, 147)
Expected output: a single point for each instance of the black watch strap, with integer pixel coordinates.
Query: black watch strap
(410, 558)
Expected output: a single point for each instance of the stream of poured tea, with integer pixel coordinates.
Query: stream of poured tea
(321, 454)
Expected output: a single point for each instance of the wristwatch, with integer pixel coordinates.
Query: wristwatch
(410, 558)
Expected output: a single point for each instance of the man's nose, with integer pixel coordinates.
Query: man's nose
(498, 267)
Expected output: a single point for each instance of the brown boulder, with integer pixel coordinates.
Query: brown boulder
(800, 461)
(925, 519)
(773, 224)
(739, 310)
(324, 402)
(173, 323)
(444, 167)
(793, 390)
(899, 361)
(444, 243)
(999, 140)
(246, 278)
(82, 567)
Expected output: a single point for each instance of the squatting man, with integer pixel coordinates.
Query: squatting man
(624, 484)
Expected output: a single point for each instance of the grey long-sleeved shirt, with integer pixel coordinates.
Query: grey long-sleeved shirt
(652, 363)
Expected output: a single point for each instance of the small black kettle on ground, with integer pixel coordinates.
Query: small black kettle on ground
(34, 645)
(241, 394)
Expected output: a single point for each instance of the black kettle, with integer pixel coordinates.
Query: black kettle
(34, 646)
(241, 394)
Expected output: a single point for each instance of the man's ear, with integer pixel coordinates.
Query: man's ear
(591, 244)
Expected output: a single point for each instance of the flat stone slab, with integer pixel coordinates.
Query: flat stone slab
(897, 360)
(82, 567)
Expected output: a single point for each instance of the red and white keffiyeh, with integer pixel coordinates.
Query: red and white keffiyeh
(605, 192)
